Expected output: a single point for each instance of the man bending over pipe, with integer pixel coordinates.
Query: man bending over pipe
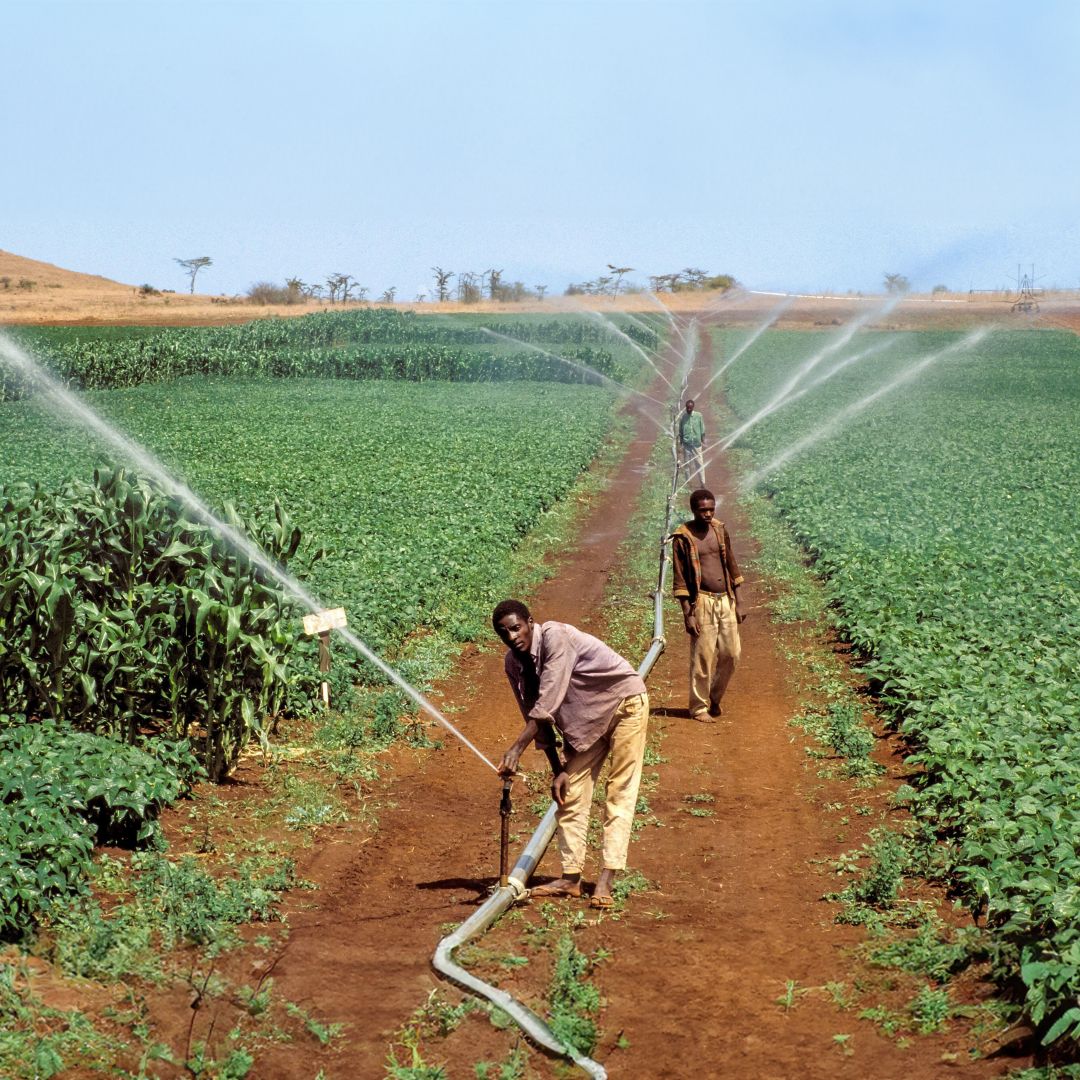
(564, 678)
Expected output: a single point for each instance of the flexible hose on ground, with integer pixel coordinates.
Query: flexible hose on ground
(535, 1029)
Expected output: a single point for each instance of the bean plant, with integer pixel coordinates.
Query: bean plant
(943, 517)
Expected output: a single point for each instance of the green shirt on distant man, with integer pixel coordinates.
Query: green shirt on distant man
(691, 429)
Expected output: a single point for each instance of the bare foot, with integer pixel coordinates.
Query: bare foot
(601, 897)
(564, 886)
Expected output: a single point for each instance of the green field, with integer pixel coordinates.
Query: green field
(943, 517)
(125, 618)
(393, 479)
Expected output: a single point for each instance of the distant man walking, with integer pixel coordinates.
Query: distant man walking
(566, 679)
(691, 441)
(705, 583)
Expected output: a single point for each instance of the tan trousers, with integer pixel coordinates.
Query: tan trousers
(625, 744)
(714, 654)
(693, 467)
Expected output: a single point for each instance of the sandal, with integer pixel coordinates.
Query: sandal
(545, 892)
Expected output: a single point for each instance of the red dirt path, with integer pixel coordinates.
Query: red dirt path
(696, 963)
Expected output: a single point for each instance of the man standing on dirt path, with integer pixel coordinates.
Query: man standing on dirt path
(564, 678)
(691, 442)
(705, 582)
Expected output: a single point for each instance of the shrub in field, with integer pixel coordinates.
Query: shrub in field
(63, 791)
(163, 903)
(123, 617)
(191, 905)
(266, 292)
(574, 1001)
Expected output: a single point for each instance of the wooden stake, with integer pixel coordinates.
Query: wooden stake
(324, 665)
(322, 623)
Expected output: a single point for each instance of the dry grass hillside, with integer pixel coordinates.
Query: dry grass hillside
(40, 293)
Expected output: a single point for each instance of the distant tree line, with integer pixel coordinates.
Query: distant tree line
(471, 286)
(611, 284)
(337, 288)
(690, 279)
(476, 285)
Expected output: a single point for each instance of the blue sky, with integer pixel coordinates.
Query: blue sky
(797, 145)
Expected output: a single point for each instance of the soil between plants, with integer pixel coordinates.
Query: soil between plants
(697, 962)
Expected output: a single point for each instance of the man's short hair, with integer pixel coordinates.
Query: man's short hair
(699, 496)
(509, 607)
(689, 401)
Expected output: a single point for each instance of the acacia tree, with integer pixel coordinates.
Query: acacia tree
(388, 296)
(442, 283)
(620, 272)
(339, 286)
(896, 283)
(193, 266)
(665, 282)
(469, 287)
(540, 290)
(494, 283)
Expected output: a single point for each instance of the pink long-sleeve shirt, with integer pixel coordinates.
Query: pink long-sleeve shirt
(580, 682)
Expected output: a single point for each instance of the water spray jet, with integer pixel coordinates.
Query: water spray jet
(968, 341)
(21, 363)
(610, 325)
(768, 410)
(605, 379)
(758, 331)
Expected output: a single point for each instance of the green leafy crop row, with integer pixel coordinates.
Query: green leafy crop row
(943, 516)
(376, 344)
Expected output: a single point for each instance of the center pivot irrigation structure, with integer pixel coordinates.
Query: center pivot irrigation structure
(513, 885)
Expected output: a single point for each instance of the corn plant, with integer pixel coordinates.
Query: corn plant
(376, 344)
(123, 617)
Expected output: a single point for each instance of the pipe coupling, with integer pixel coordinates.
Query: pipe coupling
(517, 887)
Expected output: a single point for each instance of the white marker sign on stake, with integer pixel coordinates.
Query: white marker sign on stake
(322, 623)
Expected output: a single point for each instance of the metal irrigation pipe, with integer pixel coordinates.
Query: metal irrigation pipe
(516, 885)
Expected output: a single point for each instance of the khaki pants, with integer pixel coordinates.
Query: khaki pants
(625, 744)
(693, 467)
(714, 653)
